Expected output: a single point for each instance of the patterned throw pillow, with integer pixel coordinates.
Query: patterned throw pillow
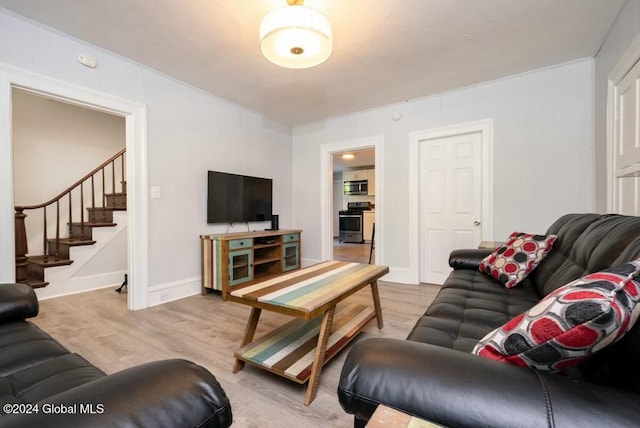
(571, 323)
(512, 262)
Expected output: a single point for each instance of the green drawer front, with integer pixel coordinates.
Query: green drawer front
(240, 243)
(291, 237)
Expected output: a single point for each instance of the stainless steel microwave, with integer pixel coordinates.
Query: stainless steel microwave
(359, 187)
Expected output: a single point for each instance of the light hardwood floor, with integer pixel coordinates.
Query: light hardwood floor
(352, 252)
(206, 330)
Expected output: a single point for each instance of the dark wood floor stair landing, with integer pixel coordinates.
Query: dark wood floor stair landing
(31, 269)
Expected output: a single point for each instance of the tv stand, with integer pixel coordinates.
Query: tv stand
(235, 260)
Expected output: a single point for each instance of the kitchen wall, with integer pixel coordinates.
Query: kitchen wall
(188, 133)
(624, 31)
(543, 153)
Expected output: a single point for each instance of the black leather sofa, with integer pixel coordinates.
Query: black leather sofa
(42, 384)
(434, 376)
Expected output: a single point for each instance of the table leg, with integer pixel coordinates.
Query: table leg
(318, 361)
(249, 331)
(376, 303)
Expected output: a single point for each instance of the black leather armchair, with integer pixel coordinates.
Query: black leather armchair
(434, 376)
(42, 384)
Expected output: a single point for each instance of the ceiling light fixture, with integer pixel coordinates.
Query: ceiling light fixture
(348, 156)
(296, 36)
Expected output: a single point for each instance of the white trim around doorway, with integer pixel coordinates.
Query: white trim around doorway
(135, 115)
(485, 128)
(624, 65)
(326, 182)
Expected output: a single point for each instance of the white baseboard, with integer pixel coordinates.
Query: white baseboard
(399, 275)
(81, 285)
(308, 262)
(169, 291)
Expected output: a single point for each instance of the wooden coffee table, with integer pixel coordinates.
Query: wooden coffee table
(299, 349)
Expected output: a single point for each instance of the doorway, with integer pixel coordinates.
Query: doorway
(354, 185)
(451, 178)
(328, 193)
(450, 201)
(136, 167)
(54, 145)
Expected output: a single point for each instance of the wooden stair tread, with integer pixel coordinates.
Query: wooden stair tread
(108, 208)
(88, 224)
(35, 283)
(73, 242)
(39, 260)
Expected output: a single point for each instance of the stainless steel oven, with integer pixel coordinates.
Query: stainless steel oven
(352, 223)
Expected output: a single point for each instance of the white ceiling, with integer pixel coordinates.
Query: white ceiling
(361, 158)
(385, 51)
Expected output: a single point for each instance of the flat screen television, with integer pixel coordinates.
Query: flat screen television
(233, 198)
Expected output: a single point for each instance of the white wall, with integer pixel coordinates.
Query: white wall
(188, 133)
(624, 31)
(543, 145)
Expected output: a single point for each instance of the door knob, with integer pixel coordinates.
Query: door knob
(476, 223)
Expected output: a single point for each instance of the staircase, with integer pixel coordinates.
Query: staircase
(57, 251)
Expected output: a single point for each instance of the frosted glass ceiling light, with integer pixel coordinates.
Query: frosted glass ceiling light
(296, 36)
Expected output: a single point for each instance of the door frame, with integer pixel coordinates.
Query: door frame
(326, 191)
(624, 65)
(485, 128)
(135, 115)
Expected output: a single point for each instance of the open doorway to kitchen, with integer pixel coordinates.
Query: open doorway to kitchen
(363, 196)
(353, 209)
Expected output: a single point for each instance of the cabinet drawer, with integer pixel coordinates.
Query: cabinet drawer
(292, 237)
(240, 243)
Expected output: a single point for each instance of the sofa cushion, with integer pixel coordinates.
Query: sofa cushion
(469, 305)
(512, 262)
(23, 345)
(586, 243)
(571, 323)
(46, 379)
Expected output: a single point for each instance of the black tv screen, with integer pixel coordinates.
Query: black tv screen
(233, 198)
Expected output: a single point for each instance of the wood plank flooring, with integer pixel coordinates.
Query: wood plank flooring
(206, 330)
(352, 252)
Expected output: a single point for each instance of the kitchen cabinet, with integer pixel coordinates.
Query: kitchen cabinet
(357, 175)
(369, 217)
(371, 184)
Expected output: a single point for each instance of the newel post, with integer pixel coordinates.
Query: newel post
(21, 245)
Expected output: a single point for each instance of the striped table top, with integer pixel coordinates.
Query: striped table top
(307, 292)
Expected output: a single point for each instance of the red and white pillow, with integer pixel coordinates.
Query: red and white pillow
(513, 261)
(571, 323)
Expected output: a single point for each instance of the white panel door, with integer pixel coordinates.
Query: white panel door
(627, 127)
(626, 142)
(450, 201)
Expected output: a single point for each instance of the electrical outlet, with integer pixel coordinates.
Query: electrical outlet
(164, 297)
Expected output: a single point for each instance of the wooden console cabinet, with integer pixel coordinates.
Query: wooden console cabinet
(233, 259)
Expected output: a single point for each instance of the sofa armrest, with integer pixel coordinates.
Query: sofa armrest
(169, 393)
(17, 302)
(454, 388)
(467, 258)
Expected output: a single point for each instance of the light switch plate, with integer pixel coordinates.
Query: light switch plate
(155, 192)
